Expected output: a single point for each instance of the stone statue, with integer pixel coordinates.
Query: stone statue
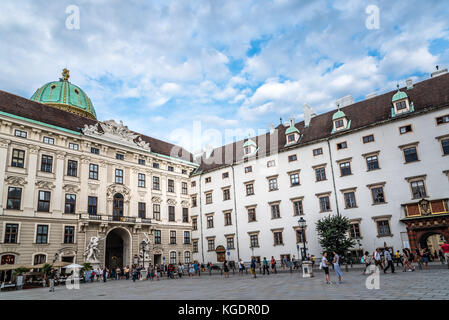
(147, 242)
(92, 250)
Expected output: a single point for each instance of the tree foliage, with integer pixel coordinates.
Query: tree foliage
(333, 234)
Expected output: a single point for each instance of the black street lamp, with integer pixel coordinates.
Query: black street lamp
(143, 244)
(302, 226)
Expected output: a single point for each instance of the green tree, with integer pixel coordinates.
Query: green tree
(333, 234)
(46, 269)
(20, 271)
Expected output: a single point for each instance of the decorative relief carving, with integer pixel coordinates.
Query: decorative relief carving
(34, 149)
(4, 143)
(156, 200)
(118, 188)
(61, 155)
(73, 188)
(42, 184)
(171, 202)
(185, 204)
(14, 180)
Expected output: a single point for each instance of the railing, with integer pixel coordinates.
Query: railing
(121, 219)
(94, 217)
(98, 217)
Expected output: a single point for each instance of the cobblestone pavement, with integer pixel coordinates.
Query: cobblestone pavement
(421, 284)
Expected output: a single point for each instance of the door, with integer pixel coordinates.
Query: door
(118, 207)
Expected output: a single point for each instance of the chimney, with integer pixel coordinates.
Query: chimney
(371, 95)
(345, 101)
(438, 72)
(309, 113)
(271, 128)
(409, 83)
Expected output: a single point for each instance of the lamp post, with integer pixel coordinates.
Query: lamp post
(302, 226)
(143, 244)
(358, 252)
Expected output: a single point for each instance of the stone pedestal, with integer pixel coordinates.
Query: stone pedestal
(307, 271)
(143, 274)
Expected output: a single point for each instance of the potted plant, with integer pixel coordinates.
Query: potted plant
(19, 274)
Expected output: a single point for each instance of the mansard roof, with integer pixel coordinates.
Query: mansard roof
(426, 95)
(19, 106)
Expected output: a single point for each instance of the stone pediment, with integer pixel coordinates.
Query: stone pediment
(42, 184)
(116, 132)
(14, 180)
(71, 188)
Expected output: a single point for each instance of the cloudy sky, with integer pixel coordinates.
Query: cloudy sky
(172, 68)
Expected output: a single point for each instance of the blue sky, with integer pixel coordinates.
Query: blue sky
(165, 67)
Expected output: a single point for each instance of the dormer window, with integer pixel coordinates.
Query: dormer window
(401, 103)
(292, 133)
(249, 148)
(340, 121)
(291, 138)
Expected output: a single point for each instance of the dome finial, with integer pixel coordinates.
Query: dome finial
(65, 74)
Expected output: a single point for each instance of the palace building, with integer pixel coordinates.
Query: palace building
(382, 162)
(76, 189)
(69, 180)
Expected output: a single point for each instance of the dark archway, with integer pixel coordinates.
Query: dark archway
(117, 210)
(432, 240)
(118, 246)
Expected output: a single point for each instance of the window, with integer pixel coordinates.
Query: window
(445, 146)
(70, 201)
(18, 158)
(410, 154)
(141, 180)
(210, 244)
(405, 129)
(195, 246)
(92, 205)
(156, 211)
(254, 241)
(170, 185)
(226, 194)
(194, 201)
(339, 123)
(173, 257)
(14, 198)
(300, 236)
(171, 213)
(324, 204)
(186, 237)
(275, 211)
(185, 215)
(119, 176)
(294, 179)
(271, 163)
(383, 228)
(72, 168)
(187, 257)
(69, 234)
(278, 238)
(194, 224)
(142, 210)
(193, 184)
(39, 259)
(210, 221)
(46, 163)
(342, 145)
(418, 189)
(73, 146)
(440, 120)
(20, 133)
(292, 158)
(227, 219)
(170, 168)
(209, 198)
(273, 184)
(298, 208)
(93, 171)
(43, 204)
(120, 156)
(368, 139)
(372, 162)
(317, 152)
(230, 242)
(251, 214)
(247, 150)
(94, 150)
(248, 169)
(208, 179)
(320, 174)
(291, 138)
(49, 140)
(11, 233)
(42, 233)
(155, 165)
(249, 189)
(401, 105)
(354, 230)
(172, 237)
(349, 199)
(157, 237)
(142, 162)
(225, 175)
(184, 188)
(378, 195)
(156, 184)
(345, 168)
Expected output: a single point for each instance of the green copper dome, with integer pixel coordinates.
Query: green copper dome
(337, 115)
(249, 142)
(64, 95)
(291, 129)
(399, 96)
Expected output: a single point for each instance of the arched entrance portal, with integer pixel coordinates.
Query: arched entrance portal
(431, 240)
(118, 246)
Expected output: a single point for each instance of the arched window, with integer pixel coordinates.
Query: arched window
(187, 257)
(39, 259)
(173, 257)
(118, 206)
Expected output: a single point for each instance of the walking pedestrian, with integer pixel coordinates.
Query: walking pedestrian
(426, 257)
(445, 249)
(265, 266)
(398, 258)
(191, 271)
(51, 279)
(253, 266)
(105, 274)
(325, 266)
(378, 259)
(158, 271)
(419, 258)
(408, 257)
(179, 270)
(117, 273)
(284, 262)
(336, 263)
(313, 260)
(388, 260)
(273, 265)
(367, 261)
(226, 269)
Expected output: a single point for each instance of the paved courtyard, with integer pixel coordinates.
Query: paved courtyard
(433, 284)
